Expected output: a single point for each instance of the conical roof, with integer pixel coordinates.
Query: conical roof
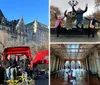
(1, 14)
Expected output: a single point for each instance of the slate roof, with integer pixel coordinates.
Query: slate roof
(1, 14)
(39, 25)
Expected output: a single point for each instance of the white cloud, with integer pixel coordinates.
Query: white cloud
(63, 5)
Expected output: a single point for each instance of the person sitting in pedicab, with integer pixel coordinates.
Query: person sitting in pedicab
(25, 64)
(16, 61)
(16, 64)
(8, 66)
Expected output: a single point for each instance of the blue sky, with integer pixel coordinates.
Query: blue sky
(28, 9)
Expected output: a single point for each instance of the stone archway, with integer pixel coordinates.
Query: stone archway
(78, 64)
(67, 64)
(72, 64)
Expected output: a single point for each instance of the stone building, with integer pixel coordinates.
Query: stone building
(37, 32)
(16, 33)
(12, 32)
(37, 36)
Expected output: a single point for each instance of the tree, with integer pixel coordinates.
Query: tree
(97, 1)
(58, 12)
(35, 48)
(52, 16)
(97, 5)
(97, 13)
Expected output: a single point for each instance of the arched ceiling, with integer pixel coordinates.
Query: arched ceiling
(72, 51)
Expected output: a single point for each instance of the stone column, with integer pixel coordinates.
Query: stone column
(54, 63)
(94, 65)
(70, 64)
(90, 64)
(75, 64)
(83, 65)
(86, 64)
(95, 69)
(61, 65)
(57, 64)
(97, 61)
(51, 62)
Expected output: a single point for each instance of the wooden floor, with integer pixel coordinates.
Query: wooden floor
(88, 80)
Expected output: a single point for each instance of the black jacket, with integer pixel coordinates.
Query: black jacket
(16, 63)
(8, 63)
(25, 63)
(79, 14)
(2, 75)
(93, 22)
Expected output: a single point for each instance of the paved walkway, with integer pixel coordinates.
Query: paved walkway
(76, 38)
(41, 80)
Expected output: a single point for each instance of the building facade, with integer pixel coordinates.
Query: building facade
(37, 32)
(16, 33)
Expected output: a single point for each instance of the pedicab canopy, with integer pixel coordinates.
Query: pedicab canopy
(18, 50)
(41, 57)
